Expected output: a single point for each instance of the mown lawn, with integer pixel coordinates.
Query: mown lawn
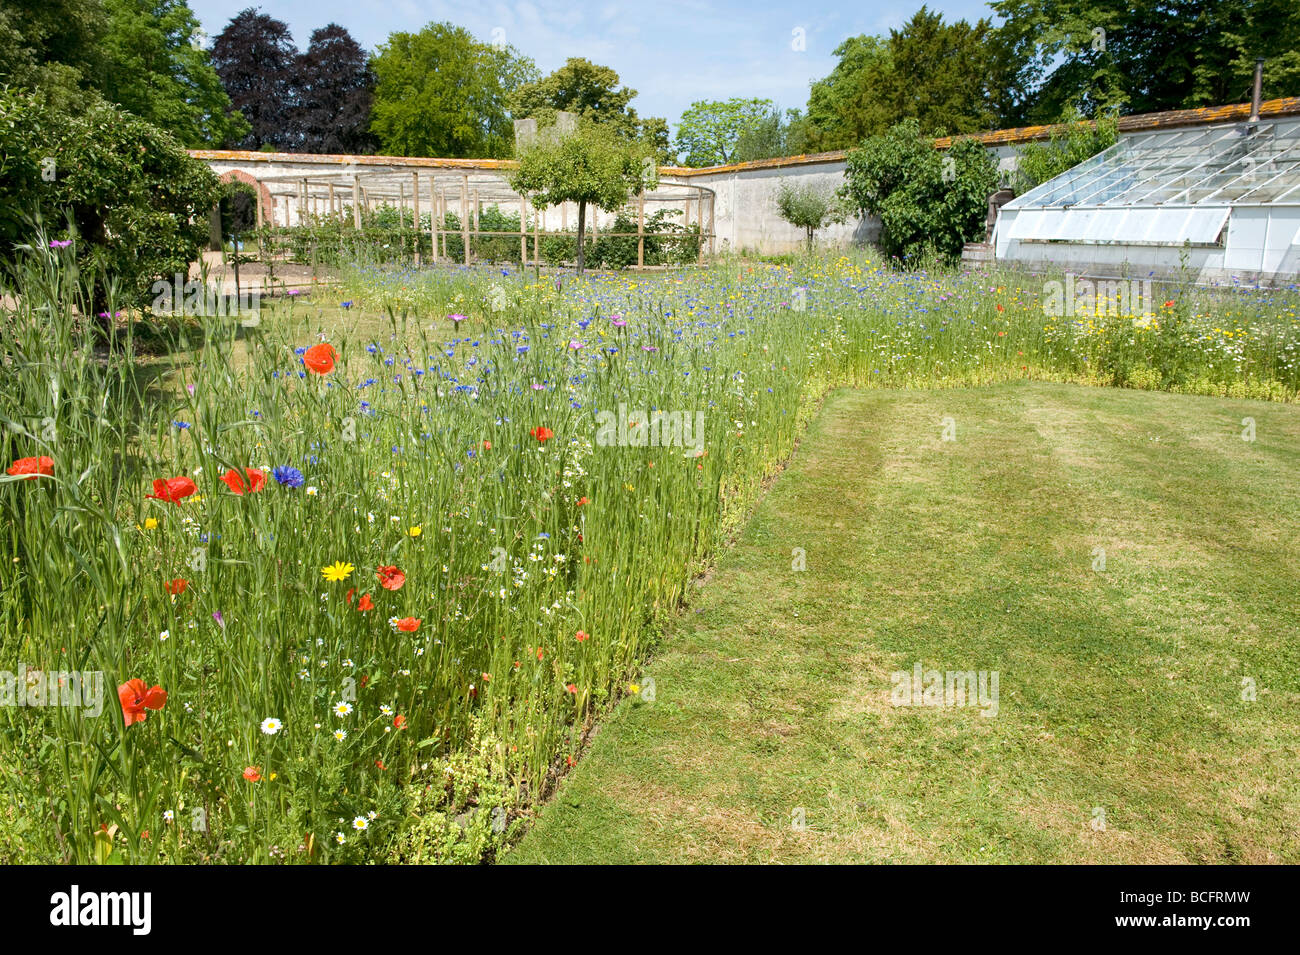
(1120, 690)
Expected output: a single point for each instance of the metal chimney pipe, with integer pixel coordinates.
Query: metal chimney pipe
(1257, 92)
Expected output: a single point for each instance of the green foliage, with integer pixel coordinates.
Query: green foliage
(440, 92)
(677, 245)
(710, 129)
(951, 77)
(1038, 162)
(155, 71)
(136, 53)
(44, 42)
(238, 208)
(928, 203)
(809, 207)
(138, 204)
(773, 136)
(1149, 55)
(464, 815)
(592, 92)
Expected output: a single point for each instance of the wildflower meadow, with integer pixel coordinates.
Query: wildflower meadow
(361, 574)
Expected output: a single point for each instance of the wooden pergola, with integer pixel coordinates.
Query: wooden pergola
(346, 194)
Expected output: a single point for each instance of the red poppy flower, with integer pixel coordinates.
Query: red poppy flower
(349, 596)
(233, 480)
(487, 445)
(572, 689)
(390, 578)
(539, 653)
(177, 586)
(408, 624)
(582, 501)
(172, 489)
(135, 698)
(32, 467)
(399, 722)
(320, 358)
(580, 636)
(365, 603)
(1169, 304)
(252, 774)
(542, 434)
(1001, 309)
(380, 764)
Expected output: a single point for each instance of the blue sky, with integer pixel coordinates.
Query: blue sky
(671, 52)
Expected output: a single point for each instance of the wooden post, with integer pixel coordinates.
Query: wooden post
(260, 214)
(478, 213)
(640, 231)
(439, 205)
(401, 205)
(415, 212)
(712, 198)
(538, 222)
(464, 215)
(523, 233)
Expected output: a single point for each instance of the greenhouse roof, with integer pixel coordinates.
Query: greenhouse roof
(1166, 187)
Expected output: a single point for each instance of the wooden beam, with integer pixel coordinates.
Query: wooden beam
(464, 215)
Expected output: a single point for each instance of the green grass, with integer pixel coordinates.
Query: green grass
(1120, 690)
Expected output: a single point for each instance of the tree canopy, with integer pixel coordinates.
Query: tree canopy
(1149, 55)
(440, 92)
(950, 77)
(711, 129)
(255, 57)
(335, 90)
(592, 166)
(594, 94)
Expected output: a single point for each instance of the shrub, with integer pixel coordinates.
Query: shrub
(928, 203)
(137, 205)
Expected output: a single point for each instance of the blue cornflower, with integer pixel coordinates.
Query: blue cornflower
(288, 477)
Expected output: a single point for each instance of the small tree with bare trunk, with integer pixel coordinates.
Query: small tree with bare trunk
(590, 166)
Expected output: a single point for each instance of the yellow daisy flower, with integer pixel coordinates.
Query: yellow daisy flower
(337, 571)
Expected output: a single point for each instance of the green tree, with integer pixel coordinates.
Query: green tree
(139, 54)
(928, 202)
(1149, 55)
(710, 129)
(440, 92)
(773, 136)
(809, 207)
(155, 68)
(952, 78)
(139, 205)
(592, 166)
(594, 94)
(50, 41)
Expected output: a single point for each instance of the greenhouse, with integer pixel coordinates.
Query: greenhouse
(1221, 203)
